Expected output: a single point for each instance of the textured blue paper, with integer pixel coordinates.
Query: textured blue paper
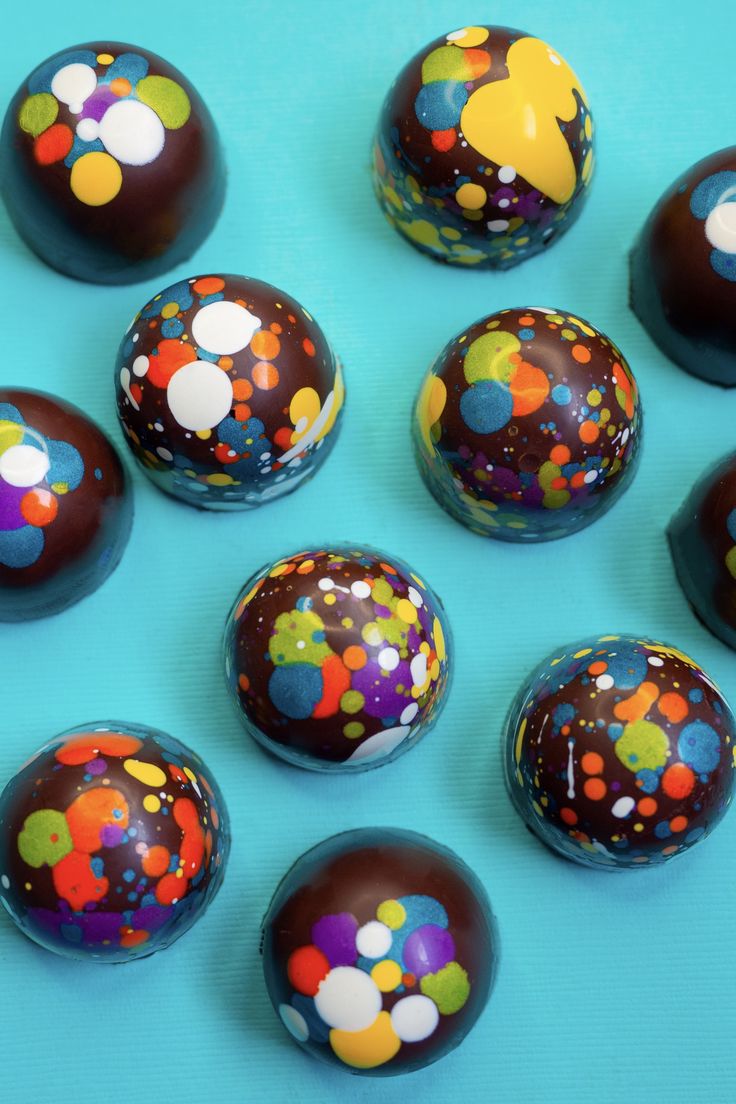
(611, 989)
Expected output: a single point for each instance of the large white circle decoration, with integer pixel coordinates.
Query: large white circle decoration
(224, 328)
(200, 395)
(131, 132)
(720, 227)
(23, 465)
(348, 999)
(373, 940)
(414, 1018)
(73, 84)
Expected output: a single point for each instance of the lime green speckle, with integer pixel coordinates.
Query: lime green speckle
(382, 592)
(45, 838)
(731, 561)
(488, 357)
(167, 98)
(446, 63)
(449, 988)
(299, 638)
(642, 746)
(354, 730)
(352, 701)
(38, 113)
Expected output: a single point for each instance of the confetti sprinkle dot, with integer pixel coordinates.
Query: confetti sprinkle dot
(333, 915)
(522, 436)
(347, 709)
(610, 774)
(689, 241)
(112, 168)
(248, 412)
(511, 155)
(105, 891)
(63, 528)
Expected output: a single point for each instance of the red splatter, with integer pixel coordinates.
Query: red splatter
(76, 882)
(336, 680)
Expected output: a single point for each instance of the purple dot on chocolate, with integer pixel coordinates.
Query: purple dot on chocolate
(111, 835)
(335, 937)
(96, 766)
(428, 949)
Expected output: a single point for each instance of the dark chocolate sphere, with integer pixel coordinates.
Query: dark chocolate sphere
(337, 660)
(66, 506)
(110, 164)
(379, 951)
(113, 842)
(702, 537)
(619, 752)
(228, 392)
(527, 426)
(683, 270)
(484, 148)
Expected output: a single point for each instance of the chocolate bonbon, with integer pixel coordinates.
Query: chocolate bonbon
(337, 659)
(527, 427)
(228, 392)
(379, 951)
(683, 270)
(702, 537)
(619, 752)
(66, 506)
(113, 841)
(484, 148)
(110, 164)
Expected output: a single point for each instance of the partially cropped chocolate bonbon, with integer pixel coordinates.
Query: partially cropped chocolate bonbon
(338, 659)
(66, 505)
(379, 951)
(619, 752)
(484, 148)
(228, 392)
(527, 427)
(113, 841)
(110, 164)
(683, 270)
(702, 537)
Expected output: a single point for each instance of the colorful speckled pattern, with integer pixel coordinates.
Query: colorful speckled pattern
(338, 659)
(113, 841)
(620, 752)
(228, 392)
(611, 990)
(484, 148)
(527, 427)
(379, 951)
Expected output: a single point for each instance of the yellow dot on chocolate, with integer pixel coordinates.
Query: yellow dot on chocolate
(219, 479)
(151, 803)
(147, 773)
(392, 914)
(387, 975)
(406, 610)
(170, 310)
(471, 196)
(468, 36)
(96, 178)
(105, 59)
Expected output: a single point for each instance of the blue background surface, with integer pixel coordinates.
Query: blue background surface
(611, 989)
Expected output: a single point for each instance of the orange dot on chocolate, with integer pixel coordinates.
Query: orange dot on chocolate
(595, 789)
(592, 762)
